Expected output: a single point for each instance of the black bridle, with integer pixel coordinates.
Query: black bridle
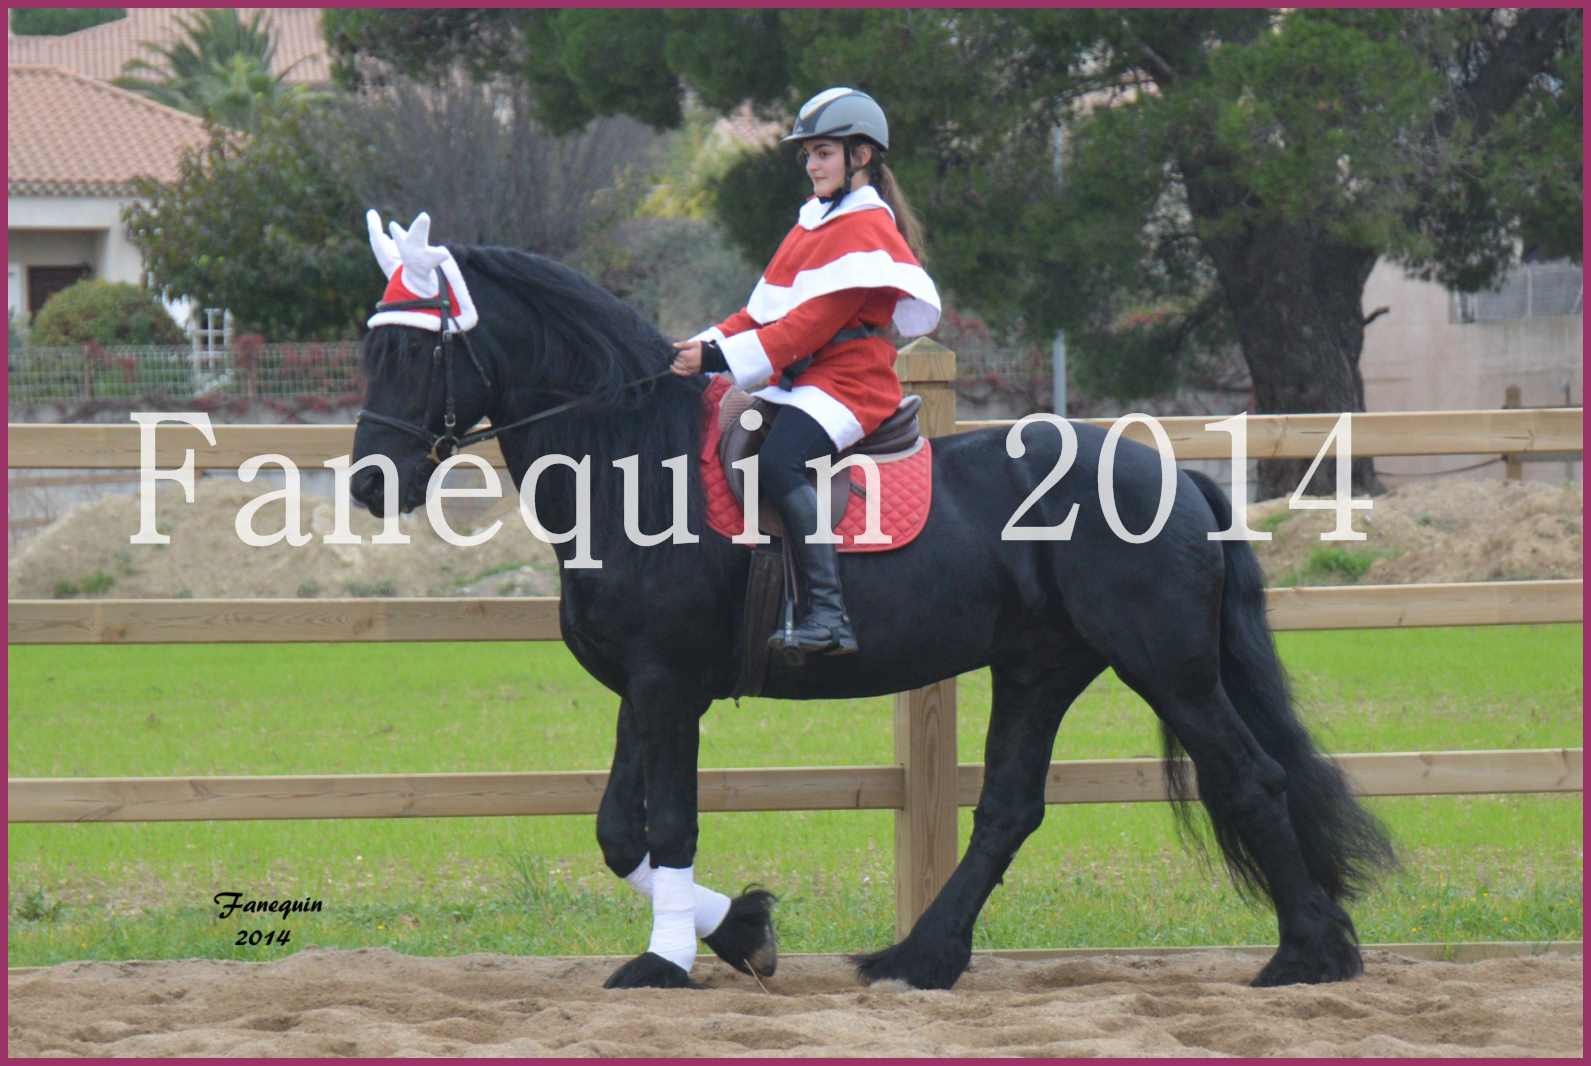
(442, 446)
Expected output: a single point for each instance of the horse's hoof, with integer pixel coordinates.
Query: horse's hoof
(745, 938)
(1328, 963)
(649, 971)
(918, 968)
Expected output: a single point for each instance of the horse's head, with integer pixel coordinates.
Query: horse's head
(425, 384)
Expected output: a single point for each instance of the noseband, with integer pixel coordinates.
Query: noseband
(440, 447)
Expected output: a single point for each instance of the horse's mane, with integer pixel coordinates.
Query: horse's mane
(586, 341)
(560, 336)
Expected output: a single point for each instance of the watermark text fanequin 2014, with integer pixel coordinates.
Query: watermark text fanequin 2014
(1338, 444)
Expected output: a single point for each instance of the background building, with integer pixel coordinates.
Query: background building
(74, 142)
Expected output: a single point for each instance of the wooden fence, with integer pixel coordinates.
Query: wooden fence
(925, 786)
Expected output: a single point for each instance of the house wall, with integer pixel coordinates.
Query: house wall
(64, 231)
(36, 217)
(1416, 359)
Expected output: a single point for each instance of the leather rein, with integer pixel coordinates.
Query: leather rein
(441, 446)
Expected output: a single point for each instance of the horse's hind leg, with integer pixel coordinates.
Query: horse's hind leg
(739, 930)
(1030, 699)
(1244, 791)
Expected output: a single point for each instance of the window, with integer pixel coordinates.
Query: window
(1531, 290)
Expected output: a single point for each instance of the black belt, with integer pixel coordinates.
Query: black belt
(799, 367)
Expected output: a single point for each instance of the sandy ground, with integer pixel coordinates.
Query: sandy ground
(1425, 532)
(373, 1002)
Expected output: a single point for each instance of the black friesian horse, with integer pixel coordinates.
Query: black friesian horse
(1181, 619)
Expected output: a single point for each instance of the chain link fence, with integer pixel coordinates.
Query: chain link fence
(247, 382)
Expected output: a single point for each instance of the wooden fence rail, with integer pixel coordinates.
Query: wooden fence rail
(1375, 433)
(342, 620)
(116, 447)
(795, 788)
(925, 786)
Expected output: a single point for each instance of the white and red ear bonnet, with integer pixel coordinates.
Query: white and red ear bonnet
(410, 264)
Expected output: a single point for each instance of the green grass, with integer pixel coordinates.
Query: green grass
(367, 589)
(1476, 868)
(1272, 522)
(493, 571)
(1332, 566)
(92, 585)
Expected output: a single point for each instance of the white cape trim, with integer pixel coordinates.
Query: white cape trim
(915, 314)
(815, 212)
(835, 418)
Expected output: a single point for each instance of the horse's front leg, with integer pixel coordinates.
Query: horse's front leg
(665, 719)
(739, 930)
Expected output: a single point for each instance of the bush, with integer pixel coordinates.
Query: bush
(106, 312)
(58, 21)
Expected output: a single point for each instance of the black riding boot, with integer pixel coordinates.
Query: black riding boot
(821, 623)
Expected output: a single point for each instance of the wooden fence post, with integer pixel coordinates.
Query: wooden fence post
(1513, 466)
(925, 719)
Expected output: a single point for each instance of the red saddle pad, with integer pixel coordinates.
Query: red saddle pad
(906, 486)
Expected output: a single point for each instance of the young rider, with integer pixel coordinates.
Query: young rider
(812, 332)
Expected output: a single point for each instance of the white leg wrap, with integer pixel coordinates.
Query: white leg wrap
(708, 910)
(640, 878)
(673, 915)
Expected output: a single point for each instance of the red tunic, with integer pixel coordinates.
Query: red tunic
(832, 273)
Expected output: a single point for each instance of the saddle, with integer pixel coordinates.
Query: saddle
(898, 449)
(904, 458)
(897, 439)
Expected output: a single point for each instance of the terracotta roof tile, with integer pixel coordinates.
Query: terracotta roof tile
(102, 51)
(67, 135)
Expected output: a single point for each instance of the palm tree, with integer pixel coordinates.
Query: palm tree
(222, 70)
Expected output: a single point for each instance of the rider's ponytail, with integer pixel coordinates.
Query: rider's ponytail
(906, 219)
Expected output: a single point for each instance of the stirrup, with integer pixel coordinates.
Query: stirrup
(840, 642)
(782, 640)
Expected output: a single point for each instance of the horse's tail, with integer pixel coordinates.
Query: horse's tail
(1344, 845)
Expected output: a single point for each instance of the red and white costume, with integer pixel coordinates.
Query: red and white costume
(849, 269)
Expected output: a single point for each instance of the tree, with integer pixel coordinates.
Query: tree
(271, 226)
(223, 71)
(1231, 176)
(59, 21)
(488, 173)
(1264, 177)
(267, 226)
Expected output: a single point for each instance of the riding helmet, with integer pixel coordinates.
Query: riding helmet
(841, 113)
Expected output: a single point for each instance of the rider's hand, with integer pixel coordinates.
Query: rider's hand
(688, 359)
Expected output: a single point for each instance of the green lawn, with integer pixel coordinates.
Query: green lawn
(1476, 868)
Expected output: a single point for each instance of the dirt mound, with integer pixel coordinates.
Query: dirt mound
(86, 552)
(1432, 531)
(1428, 532)
(375, 1003)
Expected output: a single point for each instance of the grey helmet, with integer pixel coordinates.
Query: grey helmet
(840, 113)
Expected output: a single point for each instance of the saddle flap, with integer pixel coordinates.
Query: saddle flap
(736, 442)
(905, 473)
